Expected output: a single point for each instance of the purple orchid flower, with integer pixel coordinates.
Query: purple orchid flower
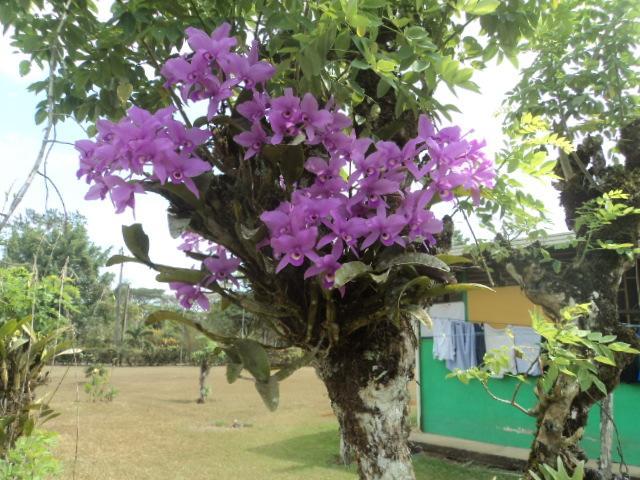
(187, 139)
(278, 221)
(386, 229)
(333, 187)
(325, 170)
(247, 69)
(215, 46)
(122, 192)
(348, 230)
(179, 70)
(254, 110)
(294, 247)
(252, 140)
(284, 116)
(222, 267)
(181, 169)
(217, 92)
(188, 294)
(312, 118)
(326, 265)
(371, 191)
(426, 129)
(98, 190)
(312, 210)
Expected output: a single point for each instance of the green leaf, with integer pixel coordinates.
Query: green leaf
(270, 393)
(348, 271)
(456, 288)
(453, 259)
(549, 378)
(419, 313)
(623, 347)
(423, 259)
(124, 91)
(386, 65)
(254, 358)
(605, 360)
(360, 64)
(383, 87)
(161, 315)
(24, 68)
(601, 386)
(233, 371)
(136, 241)
(118, 259)
(184, 275)
(480, 7)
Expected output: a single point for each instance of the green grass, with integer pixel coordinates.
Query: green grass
(154, 430)
(316, 452)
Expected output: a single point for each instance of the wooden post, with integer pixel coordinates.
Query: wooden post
(117, 334)
(606, 436)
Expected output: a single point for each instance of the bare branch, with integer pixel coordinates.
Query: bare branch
(53, 62)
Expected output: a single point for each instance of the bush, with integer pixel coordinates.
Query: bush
(31, 458)
(98, 386)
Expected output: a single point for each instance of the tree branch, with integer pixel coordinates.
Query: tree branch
(53, 62)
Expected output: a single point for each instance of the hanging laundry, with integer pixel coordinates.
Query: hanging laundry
(496, 339)
(443, 348)
(528, 341)
(481, 347)
(464, 341)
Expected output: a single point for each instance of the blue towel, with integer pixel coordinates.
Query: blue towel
(464, 340)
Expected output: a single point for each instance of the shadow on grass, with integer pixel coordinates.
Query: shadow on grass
(313, 450)
(319, 450)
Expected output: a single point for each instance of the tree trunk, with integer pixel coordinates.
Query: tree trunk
(563, 414)
(367, 378)
(606, 437)
(205, 368)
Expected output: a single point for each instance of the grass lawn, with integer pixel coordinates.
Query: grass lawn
(154, 430)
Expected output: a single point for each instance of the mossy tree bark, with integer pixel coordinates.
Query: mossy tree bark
(367, 381)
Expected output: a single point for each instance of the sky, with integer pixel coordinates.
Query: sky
(20, 140)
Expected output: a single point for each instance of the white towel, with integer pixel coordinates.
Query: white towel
(443, 348)
(496, 339)
(527, 340)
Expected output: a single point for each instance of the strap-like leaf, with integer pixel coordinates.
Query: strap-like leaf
(161, 315)
(136, 241)
(118, 259)
(233, 371)
(453, 259)
(270, 393)
(414, 258)
(184, 275)
(349, 271)
(456, 288)
(254, 358)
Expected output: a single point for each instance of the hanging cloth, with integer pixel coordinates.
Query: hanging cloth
(481, 348)
(496, 339)
(528, 341)
(464, 340)
(443, 348)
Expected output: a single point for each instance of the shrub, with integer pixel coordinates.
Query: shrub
(31, 458)
(98, 386)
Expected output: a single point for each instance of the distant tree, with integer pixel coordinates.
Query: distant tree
(50, 241)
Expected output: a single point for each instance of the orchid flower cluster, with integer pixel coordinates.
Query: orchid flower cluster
(362, 192)
(220, 264)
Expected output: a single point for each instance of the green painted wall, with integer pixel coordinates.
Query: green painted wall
(448, 407)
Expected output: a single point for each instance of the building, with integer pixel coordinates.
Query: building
(465, 416)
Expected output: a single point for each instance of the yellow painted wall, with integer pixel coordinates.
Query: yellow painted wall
(507, 306)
